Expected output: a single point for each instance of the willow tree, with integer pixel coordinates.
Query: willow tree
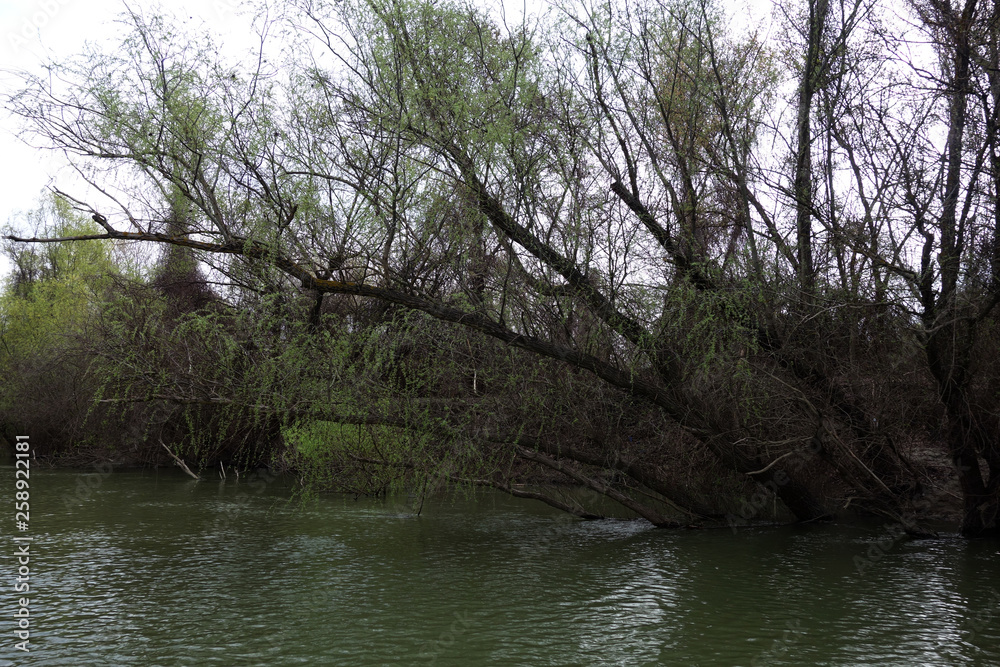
(953, 213)
(597, 190)
(45, 307)
(523, 129)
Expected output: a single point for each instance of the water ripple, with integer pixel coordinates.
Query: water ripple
(178, 574)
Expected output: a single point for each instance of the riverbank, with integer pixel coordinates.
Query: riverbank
(936, 504)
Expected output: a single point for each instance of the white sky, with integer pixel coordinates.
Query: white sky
(35, 31)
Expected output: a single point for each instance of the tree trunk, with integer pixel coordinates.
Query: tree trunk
(818, 10)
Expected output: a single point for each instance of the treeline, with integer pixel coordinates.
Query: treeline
(88, 330)
(709, 275)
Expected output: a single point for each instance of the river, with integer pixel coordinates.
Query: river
(153, 568)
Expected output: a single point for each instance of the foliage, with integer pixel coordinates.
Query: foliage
(607, 243)
(45, 306)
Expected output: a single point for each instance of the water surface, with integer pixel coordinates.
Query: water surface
(152, 568)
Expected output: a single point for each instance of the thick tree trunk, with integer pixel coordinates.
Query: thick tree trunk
(812, 67)
(981, 501)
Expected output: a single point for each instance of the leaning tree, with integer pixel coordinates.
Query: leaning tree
(758, 254)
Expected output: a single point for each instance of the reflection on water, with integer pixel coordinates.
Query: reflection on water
(155, 569)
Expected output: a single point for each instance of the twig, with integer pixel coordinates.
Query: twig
(771, 464)
(180, 462)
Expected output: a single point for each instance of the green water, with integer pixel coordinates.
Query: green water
(156, 569)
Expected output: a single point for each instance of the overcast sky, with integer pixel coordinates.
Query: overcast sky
(35, 31)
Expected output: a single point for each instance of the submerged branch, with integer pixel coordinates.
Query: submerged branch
(180, 462)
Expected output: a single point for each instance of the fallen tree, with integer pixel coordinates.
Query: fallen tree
(598, 199)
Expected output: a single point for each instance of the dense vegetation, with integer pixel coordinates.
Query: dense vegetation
(707, 274)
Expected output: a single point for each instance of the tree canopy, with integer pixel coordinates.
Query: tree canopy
(664, 258)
